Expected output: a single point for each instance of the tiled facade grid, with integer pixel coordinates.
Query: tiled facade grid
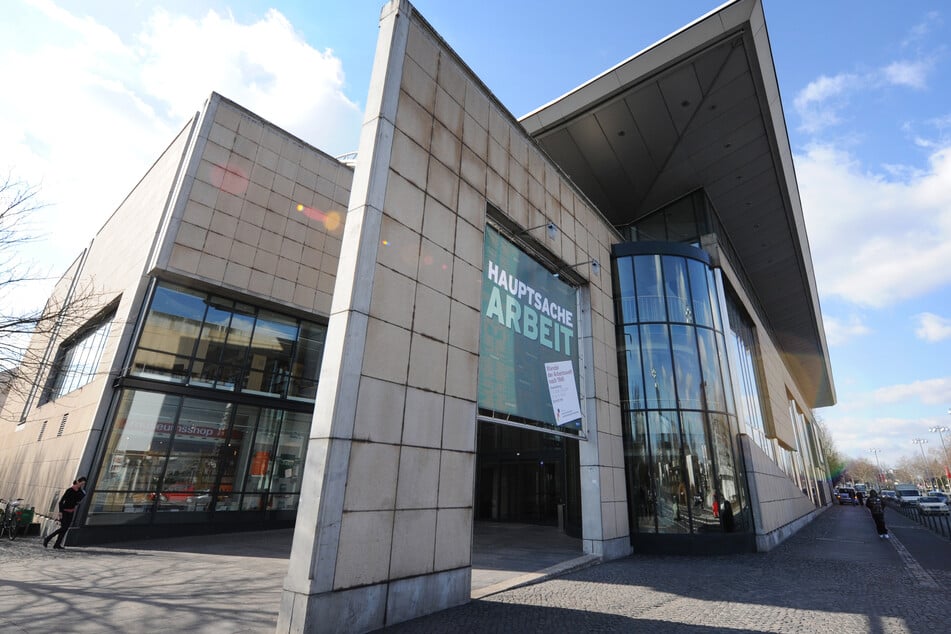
(245, 225)
(454, 150)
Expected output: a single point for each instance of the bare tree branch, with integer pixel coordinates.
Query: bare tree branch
(25, 330)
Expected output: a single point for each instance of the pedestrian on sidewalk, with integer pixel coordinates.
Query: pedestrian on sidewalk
(67, 508)
(874, 504)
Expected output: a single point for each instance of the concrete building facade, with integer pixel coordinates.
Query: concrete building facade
(600, 317)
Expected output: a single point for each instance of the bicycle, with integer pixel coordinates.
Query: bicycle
(15, 516)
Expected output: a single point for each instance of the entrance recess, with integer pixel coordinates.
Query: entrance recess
(528, 477)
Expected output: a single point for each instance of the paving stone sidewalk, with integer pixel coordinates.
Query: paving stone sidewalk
(834, 576)
(170, 585)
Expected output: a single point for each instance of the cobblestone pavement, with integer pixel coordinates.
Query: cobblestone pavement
(833, 576)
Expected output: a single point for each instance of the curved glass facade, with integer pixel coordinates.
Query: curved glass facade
(678, 407)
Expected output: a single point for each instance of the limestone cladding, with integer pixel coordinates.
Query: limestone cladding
(263, 214)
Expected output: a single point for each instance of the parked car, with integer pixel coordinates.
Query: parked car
(846, 495)
(940, 494)
(861, 492)
(908, 494)
(931, 505)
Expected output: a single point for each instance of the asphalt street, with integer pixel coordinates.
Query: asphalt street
(833, 576)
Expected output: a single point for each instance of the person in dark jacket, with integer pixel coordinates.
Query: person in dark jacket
(874, 504)
(67, 508)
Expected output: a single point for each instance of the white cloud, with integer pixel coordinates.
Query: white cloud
(265, 66)
(920, 31)
(819, 102)
(928, 392)
(93, 110)
(912, 74)
(855, 435)
(839, 332)
(876, 239)
(933, 327)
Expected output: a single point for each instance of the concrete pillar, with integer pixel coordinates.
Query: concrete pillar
(384, 527)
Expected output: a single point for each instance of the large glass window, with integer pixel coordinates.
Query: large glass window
(78, 359)
(198, 444)
(169, 453)
(742, 338)
(192, 338)
(136, 453)
(679, 450)
(168, 338)
(199, 454)
(650, 289)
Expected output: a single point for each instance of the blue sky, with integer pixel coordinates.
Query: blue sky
(92, 96)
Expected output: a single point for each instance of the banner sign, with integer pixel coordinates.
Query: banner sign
(528, 356)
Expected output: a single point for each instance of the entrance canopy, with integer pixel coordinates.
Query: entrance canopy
(701, 110)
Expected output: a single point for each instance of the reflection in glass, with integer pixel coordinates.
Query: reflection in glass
(686, 366)
(700, 487)
(700, 293)
(640, 484)
(650, 288)
(193, 338)
(672, 500)
(310, 349)
(729, 487)
(630, 371)
(169, 335)
(261, 462)
(674, 391)
(270, 358)
(289, 461)
(137, 451)
(658, 370)
(626, 298)
(234, 462)
(198, 447)
(677, 290)
(713, 383)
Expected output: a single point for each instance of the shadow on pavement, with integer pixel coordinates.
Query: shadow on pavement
(834, 575)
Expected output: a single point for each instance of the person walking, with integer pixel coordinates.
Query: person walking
(874, 504)
(67, 508)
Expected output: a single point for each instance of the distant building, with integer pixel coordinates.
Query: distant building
(601, 317)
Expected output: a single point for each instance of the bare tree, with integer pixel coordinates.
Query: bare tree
(860, 470)
(18, 203)
(834, 459)
(21, 362)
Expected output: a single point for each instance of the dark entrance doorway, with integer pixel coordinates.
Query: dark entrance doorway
(528, 477)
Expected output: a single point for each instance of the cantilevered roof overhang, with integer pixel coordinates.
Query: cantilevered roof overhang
(701, 109)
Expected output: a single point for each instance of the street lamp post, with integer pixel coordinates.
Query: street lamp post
(944, 448)
(921, 445)
(881, 474)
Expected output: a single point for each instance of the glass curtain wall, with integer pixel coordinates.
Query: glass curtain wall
(169, 454)
(741, 336)
(678, 409)
(812, 467)
(213, 417)
(192, 338)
